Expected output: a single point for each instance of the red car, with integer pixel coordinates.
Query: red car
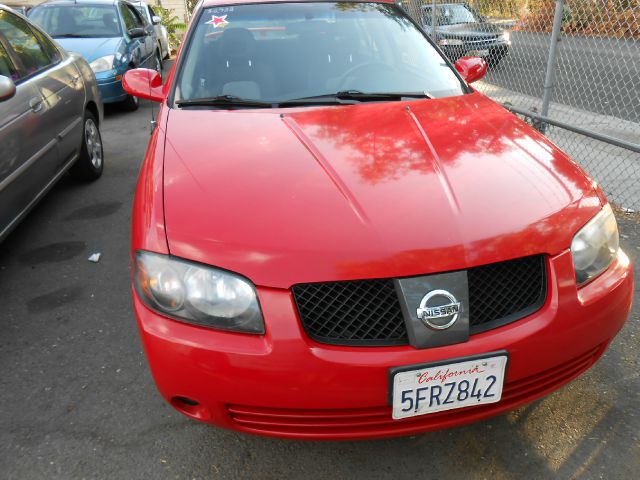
(335, 236)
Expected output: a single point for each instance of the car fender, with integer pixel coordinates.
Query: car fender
(91, 92)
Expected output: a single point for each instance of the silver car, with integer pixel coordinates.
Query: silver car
(150, 16)
(50, 110)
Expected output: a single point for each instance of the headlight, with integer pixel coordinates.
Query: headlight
(197, 294)
(595, 246)
(450, 42)
(102, 64)
(505, 36)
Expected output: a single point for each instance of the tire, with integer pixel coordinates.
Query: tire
(90, 163)
(130, 104)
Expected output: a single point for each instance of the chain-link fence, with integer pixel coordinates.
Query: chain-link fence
(569, 67)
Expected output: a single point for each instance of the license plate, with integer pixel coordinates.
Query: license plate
(478, 53)
(431, 388)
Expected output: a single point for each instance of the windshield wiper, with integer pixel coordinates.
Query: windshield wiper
(69, 35)
(345, 97)
(349, 96)
(374, 96)
(224, 101)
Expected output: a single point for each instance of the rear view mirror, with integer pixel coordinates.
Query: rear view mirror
(156, 20)
(7, 88)
(137, 32)
(143, 83)
(471, 68)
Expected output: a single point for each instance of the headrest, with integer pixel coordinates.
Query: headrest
(66, 21)
(236, 42)
(108, 19)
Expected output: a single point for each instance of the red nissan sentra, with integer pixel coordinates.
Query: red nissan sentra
(334, 236)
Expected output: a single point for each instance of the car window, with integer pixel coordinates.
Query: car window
(50, 49)
(24, 43)
(427, 15)
(143, 10)
(140, 18)
(451, 15)
(131, 17)
(283, 51)
(128, 17)
(62, 21)
(6, 69)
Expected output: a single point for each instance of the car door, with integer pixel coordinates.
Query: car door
(139, 47)
(63, 93)
(28, 145)
(16, 122)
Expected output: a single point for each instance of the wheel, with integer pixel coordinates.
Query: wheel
(90, 163)
(130, 104)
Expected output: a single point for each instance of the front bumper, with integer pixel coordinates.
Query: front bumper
(285, 384)
(110, 88)
(495, 51)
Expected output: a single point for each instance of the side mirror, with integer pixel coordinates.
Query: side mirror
(7, 88)
(471, 68)
(143, 83)
(137, 32)
(156, 20)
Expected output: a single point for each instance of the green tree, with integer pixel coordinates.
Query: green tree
(190, 5)
(175, 28)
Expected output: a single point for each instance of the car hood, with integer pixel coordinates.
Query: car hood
(91, 48)
(470, 30)
(373, 190)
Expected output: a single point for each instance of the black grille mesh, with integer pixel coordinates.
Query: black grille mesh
(367, 312)
(500, 293)
(358, 312)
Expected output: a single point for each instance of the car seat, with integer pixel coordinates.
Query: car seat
(234, 69)
(110, 22)
(66, 22)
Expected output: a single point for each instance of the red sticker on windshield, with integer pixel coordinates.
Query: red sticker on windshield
(218, 22)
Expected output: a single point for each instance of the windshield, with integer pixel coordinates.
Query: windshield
(77, 20)
(283, 51)
(449, 15)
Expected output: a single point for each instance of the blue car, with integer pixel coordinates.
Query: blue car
(110, 34)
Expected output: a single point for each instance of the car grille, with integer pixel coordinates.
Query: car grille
(367, 312)
(475, 42)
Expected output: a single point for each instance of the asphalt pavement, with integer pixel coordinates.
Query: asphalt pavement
(593, 73)
(77, 399)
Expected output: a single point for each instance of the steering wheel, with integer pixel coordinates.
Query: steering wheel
(361, 69)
